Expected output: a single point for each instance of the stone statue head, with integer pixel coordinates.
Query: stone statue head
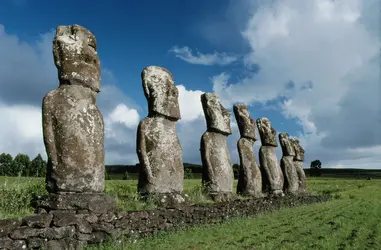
(75, 56)
(217, 117)
(246, 124)
(161, 92)
(286, 144)
(299, 151)
(266, 132)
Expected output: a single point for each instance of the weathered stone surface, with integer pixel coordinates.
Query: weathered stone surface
(135, 224)
(298, 162)
(108, 217)
(299, 151)
(91, 218)
(217, 174)
(158, 147)
(250, 178)
(286, 144)
(97, 203)
(217, 117)
(161, 92)
(61, 220)
(98, 237)
(301, 176)
(26, 232)
(84, 237)
(75, 56)
(103, 227)
(8, 225)
(59, 232)
(246, 124)
(38, 221)
(65, 244)
(272, 176)
(169, 200)
(35, 242)
(84, 226)
(73, 127)
(291, 182)
(55, 245)
(266, 132)
(7, 243)
(160, 157)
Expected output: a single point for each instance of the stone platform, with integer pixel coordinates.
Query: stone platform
(77, 223)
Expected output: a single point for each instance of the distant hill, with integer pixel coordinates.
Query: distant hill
(348, 173)
(117, 171)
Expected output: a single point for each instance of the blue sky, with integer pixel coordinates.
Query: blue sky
(244, 51)
(130, 34)
(134, 34)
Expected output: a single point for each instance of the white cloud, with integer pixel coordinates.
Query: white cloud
(124, 115)
(190, 104)
(216, 58)
(330, 51)
(22, 92)
(21, 130)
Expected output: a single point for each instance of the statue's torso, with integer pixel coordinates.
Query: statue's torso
(164, 154)
(251, 179)
(270, 164)
(219, 169)
(78, 132)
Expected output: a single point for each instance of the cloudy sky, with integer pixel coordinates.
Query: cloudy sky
(312, 67)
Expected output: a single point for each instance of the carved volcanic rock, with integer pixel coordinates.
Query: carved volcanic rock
(291, 181)
(272, 176)
(250, 179)
(217, 174)
(217, 117)
(73, 126)
(158, 146)
(298, 163)
(246, 124)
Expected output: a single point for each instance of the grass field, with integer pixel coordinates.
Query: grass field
(352, 220)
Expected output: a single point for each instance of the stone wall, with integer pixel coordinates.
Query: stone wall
(73, 229)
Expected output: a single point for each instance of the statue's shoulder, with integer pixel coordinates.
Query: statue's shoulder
(48, 100)
(206, 135)
(50, 95)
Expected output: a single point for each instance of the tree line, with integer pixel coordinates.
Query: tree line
(22, 165)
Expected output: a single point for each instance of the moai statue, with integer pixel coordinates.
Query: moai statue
(250, 179)
(291, 181)
(272, 176)
(298, 163)
(73, 127)
(158, 147)
(217, 176)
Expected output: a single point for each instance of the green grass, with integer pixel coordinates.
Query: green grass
(352, 220)
(16, 193)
